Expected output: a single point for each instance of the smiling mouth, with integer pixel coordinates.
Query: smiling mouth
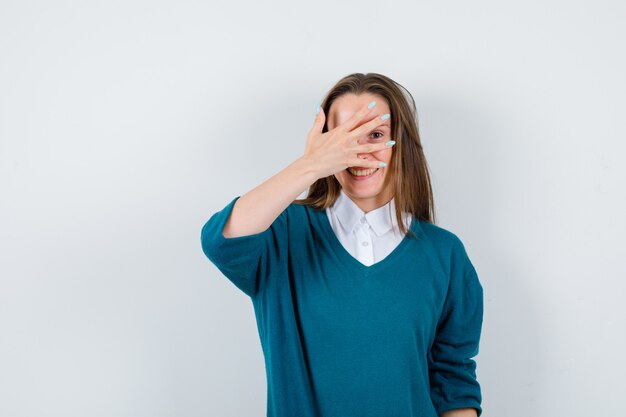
(361, 172)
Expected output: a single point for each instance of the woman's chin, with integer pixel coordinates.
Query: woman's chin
(362, 189)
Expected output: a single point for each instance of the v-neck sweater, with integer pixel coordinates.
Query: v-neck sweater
(339, 338)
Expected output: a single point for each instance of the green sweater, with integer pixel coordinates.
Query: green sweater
(341, 339)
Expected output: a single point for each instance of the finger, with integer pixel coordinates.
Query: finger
(373, 147)
(382, 120)
(318, 123)
(365, 163)
(354, 120)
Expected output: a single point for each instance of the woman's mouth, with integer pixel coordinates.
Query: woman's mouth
(360, 173)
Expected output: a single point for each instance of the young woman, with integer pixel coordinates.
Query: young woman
(364, 306)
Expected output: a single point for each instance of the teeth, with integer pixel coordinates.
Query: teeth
(361, 172)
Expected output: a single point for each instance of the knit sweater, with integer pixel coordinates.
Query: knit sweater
(342, 339)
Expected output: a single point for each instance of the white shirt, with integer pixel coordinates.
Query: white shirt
(368, 237)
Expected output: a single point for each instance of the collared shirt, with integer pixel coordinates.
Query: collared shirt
(368, 237)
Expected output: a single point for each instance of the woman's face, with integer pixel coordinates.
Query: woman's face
(366, 191)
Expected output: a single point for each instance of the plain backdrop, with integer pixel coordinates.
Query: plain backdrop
(125, 124)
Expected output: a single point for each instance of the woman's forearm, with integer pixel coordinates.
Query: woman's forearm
(257, 209)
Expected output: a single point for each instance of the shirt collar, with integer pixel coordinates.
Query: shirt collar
(349, 215)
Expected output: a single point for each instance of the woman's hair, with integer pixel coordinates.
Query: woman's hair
(409, 177)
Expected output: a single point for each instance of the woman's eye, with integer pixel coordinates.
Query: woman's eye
(377, 137)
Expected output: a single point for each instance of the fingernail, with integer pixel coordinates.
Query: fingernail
(384, 116)
(372, 104)
(382, 164)
(317, 110)
(391, 143)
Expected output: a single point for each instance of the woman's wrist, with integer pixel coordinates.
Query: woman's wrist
(305, 167)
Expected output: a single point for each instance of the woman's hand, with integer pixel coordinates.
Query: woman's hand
(338, 149)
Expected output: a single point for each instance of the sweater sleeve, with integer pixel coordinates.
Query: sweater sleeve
(452, 370)
(247, 261)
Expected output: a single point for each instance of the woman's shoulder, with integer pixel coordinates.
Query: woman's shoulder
(448, 246)
(439, 235)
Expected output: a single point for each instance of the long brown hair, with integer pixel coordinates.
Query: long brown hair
(409, 176)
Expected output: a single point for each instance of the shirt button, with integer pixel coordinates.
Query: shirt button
(364, 243)
(363, 220)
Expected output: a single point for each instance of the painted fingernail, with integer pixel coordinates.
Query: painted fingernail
(317, 110)
(372, 104)
(382, 164)
(391, 143)
(384, 116)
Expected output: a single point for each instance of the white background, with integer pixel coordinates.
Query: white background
(125, 124)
